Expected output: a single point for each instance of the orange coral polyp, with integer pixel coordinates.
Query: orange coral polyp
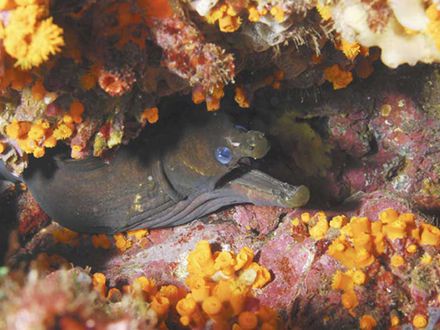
(338, 76)
(367, 322)
(430, 235)
(244, 258)
(360, 225)
(160, 305)
(186, 306)
(150, 115)
(247, 320)
(319, 230)
(212, 306)
(342, 282)
(349, 300)
(388, 215)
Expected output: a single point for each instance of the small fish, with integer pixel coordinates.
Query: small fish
(190, 167)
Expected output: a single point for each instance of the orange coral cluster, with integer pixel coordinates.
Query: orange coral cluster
(220, 284)
(34, 137)
(161, 300)
(212, 98)
(124, 241)
(357, 242)
(340, 76)
(227, 14)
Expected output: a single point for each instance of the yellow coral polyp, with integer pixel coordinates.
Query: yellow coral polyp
(229, 23)
(199, 288)
(338, 221)
(305, 217)
(319, 230)
(278, 13)
(364, 258)
(122, 244)
(36, 132)
(324, 11)
(50, 142)
(263, 275)
(137, 234)
(358, 277)
(350, 49)
(420, 321)
(395, 230)
(17, 129)
(397, 261)
(38, 152)
(254, 15)
(227, 17)
(225, 262)
(200, 260)
(426, 259)
(29, 39)
(62, 132)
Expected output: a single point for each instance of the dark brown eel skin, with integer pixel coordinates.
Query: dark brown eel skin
(167, 178)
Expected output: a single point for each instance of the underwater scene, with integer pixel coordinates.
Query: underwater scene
(219, 164)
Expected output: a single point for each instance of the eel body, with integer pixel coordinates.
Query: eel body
(189, 168)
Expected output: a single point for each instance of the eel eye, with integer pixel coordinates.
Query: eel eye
(223, 155)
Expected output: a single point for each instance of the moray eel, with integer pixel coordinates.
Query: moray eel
(187, 169)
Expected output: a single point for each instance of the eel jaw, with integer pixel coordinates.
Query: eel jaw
(261, 189)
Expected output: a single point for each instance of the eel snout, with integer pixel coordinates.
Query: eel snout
(253, 144)
(261, 189)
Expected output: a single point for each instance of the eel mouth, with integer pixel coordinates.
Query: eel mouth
(261, 189)
(253, 186)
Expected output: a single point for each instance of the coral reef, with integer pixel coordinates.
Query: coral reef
(347, 92)
(369, 266)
